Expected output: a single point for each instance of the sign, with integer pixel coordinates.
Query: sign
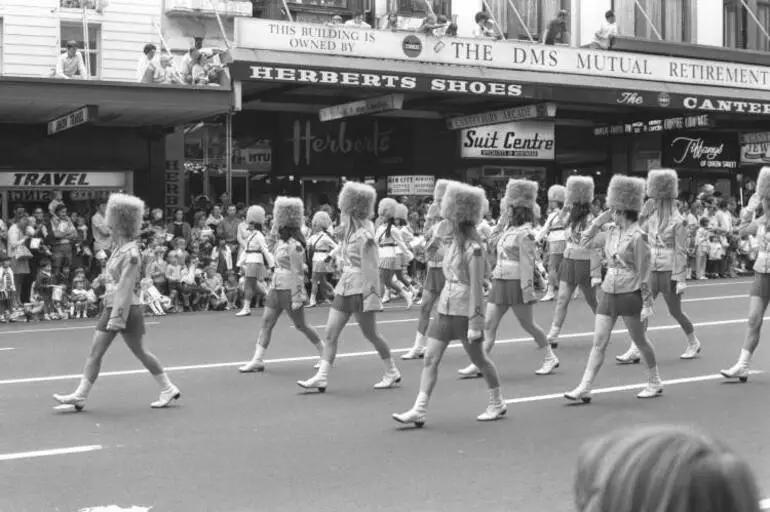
(56, 180)
(174, 193)
(700, 150)
(411, 185)
(755, 148)
(503, 116)
(525, 140)
(263, 34)
(227, 8)
(655, 125)
(79, 117)
(256, 157)
(363, 107)
(735, 105)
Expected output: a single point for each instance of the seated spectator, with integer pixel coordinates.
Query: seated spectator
(233, 291)
(70, 64)
(148, 70)
(212, 283)
(392, 22)
(606, 33)
(357, 21)
(486, 28)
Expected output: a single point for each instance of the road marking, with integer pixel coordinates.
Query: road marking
(6, 348)
(616, 389)
(764, 504)
(722, 283)
(210, 366)
(59, 329)
(721, 297)
(49, 453)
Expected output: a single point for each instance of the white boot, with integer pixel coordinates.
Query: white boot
(739, 370)
(496, 408)
(418, 349)
(583, 391)
(245, 311)
(313, 303)
(416, 415)
(168, 392)
(693, 347)
(256, 364)
(553, 336)
(319, 380)
(631, 356)
(386, 296)
(549, 296)
(409, 299)
(79, 397)
(469, 372)
(392, 377)
(550, 362)
(654, 385)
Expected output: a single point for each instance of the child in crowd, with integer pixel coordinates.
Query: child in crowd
(173, 279)
(192, 294)
(702, 236)
(79, 299)
(179, 251)
(232, 291)
(44, 287)
(716, 253)
(7, 289)
(212, 283)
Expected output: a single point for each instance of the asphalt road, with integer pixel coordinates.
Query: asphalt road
(259, 443)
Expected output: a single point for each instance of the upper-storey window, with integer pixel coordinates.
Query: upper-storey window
(740, 29)
(417, 7)
(535, 15)
(674, 20)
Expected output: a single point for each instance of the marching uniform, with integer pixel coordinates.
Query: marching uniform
(358, 287)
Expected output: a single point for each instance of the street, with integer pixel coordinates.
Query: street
(258, 442)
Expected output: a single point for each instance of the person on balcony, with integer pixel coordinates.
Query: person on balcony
(557, 30)
(486, 28)
(357, 21)
(606, 33)
(70, 64)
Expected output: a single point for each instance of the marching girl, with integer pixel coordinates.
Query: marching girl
(580, 266)
(434, 279)
(759, 295)
(123, 311)
(388, 237)
(460, 305)
(357, 291)
(667, 236)
(255, 258)
(513, 274)
(288, 290)
(626, 285)
(406, 254)
(554, 234)
(321, 245)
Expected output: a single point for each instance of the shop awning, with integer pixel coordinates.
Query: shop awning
(37, 101)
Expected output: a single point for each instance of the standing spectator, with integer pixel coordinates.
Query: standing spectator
(606, 33)
(485, 27)
(58, 198)
(228, 230)
(20, 256)
(178, 228)
(7, 289)
(70, 64)
(216, 217)
(100, 231)
(64, 235)
(357, 21)
(557, 29)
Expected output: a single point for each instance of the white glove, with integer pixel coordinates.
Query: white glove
(681, 286)
(646, 312)
(474, 335)
(596, 281)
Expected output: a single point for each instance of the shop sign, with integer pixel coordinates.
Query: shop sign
(256, 158)
(411, 185)
(735, 106)
(503, 116)
(755, 148)
(79, 117)
(525, 140)
(261, 34)
(363, 107)
(402, 82)
(700, 151)
(227, 8)
(656, 125)
(36, 179)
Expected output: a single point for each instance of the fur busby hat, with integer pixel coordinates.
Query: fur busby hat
(521, 193)
(537, 212)
(288, 212)
(440, 189)
(763, 183)
(556, 193)
(124, 215)
(357, 200)
(387, 208)
(402, 212)
(463, 204)
(626, 193)
(255, 215)
(321, 220)
(580, 190)
(662, 184)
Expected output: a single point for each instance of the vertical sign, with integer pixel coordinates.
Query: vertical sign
(174, 196)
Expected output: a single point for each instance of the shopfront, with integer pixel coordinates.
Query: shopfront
(82, 191)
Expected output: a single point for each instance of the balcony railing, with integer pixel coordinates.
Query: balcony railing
(79, 4)
(208, 8)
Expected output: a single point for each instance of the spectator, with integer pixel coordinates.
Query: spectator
(228, 230)
(58, 198)
(557, 29)
(606, 33)
(70, 64)
(100, 231)
(336, 20)
(391, 22)
(64, 236)
(20, 255)
(357, 21)
(178, 228)
(486, 28)
(215, 217)
(149, 70)
(7, 289)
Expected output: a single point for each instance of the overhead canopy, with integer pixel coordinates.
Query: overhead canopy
(38, 100)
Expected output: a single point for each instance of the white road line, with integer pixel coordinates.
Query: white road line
(4, 349)
(722, 283)
(49, 453)
(721, 297)
(59, 329)
(616, 389)
(210, 366)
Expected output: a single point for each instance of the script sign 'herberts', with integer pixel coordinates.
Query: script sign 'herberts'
(510, 141)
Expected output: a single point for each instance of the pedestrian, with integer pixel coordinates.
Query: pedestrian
(461, 304)
(513, 276)
(123, 311)
(288, 290)
(436, 242)
(554, 233)
(626, 285)
(557, 29)
(357, 292)
(760, 288)
(580, 266)
(667, 234)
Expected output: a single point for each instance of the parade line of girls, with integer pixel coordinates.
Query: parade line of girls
(642, 243)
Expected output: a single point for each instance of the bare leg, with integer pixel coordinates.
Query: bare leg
(603, 325)
(492, 318)
(426, 308)
(674, 303)
(269, 319)
(560, 312)
(168, 391)
(740, 370)
(526, 315)
(428, 378)
(99, 346)
(334, 326)
(496, 408)
(367, 322)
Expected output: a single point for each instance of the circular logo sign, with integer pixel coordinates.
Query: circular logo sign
(412, 46)
(664, 100)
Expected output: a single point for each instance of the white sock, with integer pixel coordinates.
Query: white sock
(163, 381)
(655, 375)
(555, 331)
(323, 370)
(84, 388)
(744, 359)
(419, 341)
(390, 365)
(496, 395)
(259, 353)
(421, 404)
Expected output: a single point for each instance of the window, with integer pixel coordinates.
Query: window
(417, 7)
(77, 4)
(75, 32)
(536, 14)
(673, 19)
(740, 28)
(1, 46)
(763, 14)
